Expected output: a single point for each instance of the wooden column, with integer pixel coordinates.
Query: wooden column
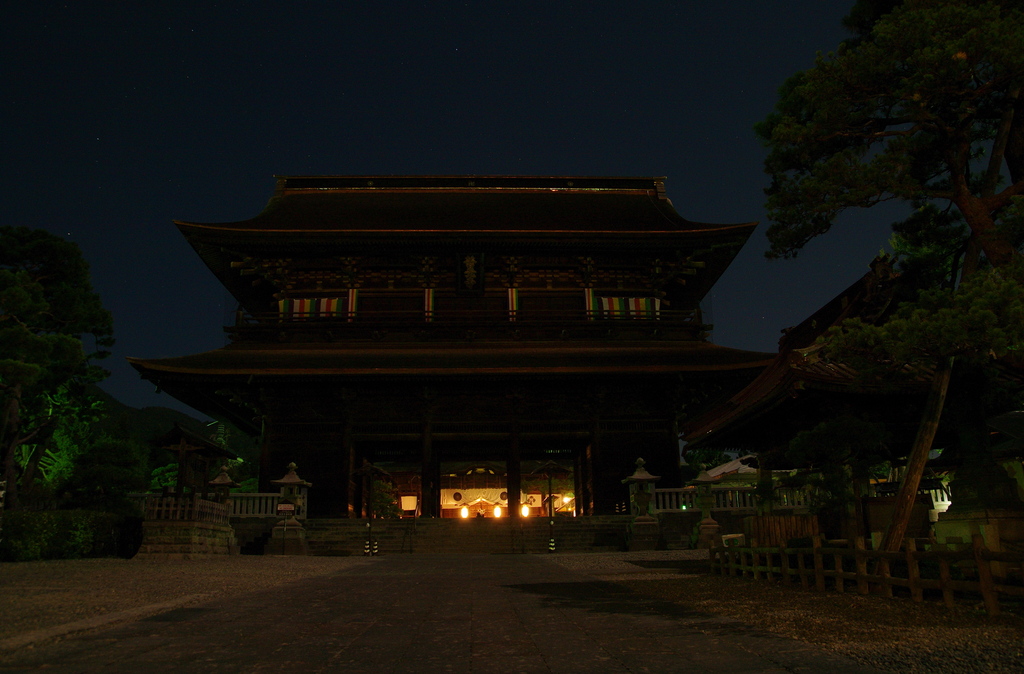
(266, 433)
(513, 469)
(265, 476)
(586, 496)
(348, 463)
(577, 479)
(594, 467)
(430, 479)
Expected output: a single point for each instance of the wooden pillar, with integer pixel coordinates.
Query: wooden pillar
(586, 495)
(600, 503)
(270, 462)
(348, 464)
(430, 478)
(577, 479)
(513, 469)
(265, 477)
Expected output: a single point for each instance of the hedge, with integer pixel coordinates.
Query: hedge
(67, 534)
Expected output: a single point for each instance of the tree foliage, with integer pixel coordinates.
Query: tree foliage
(924, 108)
(52, 327)
(981, 320)
(836, 455)
(106, 472)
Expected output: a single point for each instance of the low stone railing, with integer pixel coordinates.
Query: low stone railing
(254, 504)
(185, 509)
(240, 505)
(726, 498)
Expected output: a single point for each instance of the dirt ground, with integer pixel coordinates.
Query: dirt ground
(894, 635)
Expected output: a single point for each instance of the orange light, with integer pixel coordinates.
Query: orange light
(497, 511)
(464, 512)
(525, 510)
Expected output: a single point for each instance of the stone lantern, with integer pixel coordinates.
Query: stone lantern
(708, 529)
(293, 493)
(222, 485)
(289, 536)
(643, 532)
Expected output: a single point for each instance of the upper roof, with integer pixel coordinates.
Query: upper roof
(463, 204)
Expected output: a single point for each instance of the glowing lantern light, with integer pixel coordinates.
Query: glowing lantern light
(497, 511)
(566, 499)
(525, 510)
(464, 512)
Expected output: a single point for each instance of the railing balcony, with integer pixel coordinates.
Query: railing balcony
(240, 505)
(465, 325)
(727, 498)
(186, 508)
(254, 505)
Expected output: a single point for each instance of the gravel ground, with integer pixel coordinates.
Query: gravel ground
(41, 595)
(892, 635)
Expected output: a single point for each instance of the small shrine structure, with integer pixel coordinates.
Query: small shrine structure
(190, 518)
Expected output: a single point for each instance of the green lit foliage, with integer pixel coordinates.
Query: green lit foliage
(66, 534)
(920, 109)
(48, 463)
(249, 485)
(52, 325)
(385, 500)
(163, 477)
(700, 459)
(704, 458)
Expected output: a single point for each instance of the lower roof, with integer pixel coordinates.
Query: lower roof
(448, 360)
(199, 379)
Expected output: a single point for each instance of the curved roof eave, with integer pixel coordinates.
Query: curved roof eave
(309, 362)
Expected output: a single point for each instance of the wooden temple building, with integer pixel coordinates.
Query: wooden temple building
(435, 320)
(800, 388)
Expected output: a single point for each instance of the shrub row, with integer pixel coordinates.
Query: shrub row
(67, 534)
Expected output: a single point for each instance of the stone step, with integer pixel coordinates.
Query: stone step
(340, 537)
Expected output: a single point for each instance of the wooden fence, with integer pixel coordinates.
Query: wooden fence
(872, 570)
(775, 530)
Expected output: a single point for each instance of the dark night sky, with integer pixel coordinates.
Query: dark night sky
(119, 117)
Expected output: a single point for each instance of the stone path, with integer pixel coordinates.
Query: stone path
(433, 613)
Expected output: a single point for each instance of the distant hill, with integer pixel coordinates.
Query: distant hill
(149, 424)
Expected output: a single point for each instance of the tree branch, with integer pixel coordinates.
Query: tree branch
(995, 160)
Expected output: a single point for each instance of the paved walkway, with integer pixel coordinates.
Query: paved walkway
(433, 613)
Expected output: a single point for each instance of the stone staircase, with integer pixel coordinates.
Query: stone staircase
(491, 536)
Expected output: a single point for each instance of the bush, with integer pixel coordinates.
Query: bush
(67, 534)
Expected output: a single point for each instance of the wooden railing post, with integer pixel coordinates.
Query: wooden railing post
(861, 565)
(883, 571)
(985, 582)
(945, 580)
(913, 570)
(837, 560)
(819, 566)
(787, 579)
(801, 566)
